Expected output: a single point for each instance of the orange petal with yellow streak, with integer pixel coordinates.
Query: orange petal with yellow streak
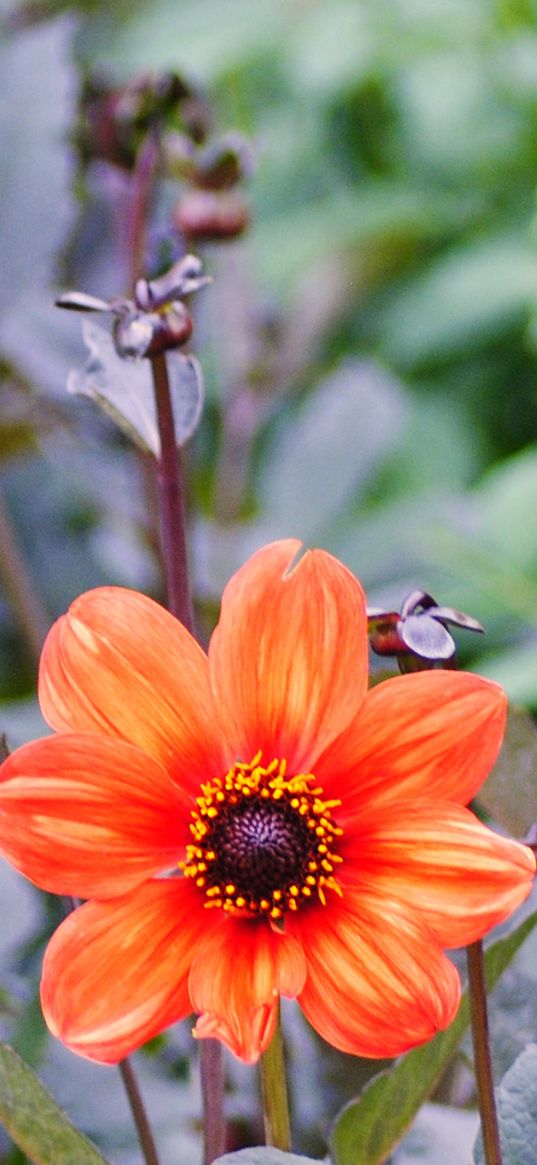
(434, 734)
(88, 815)
(288, 658)
(377, 982)
(119, 665)
(438, 859)
(115, 974)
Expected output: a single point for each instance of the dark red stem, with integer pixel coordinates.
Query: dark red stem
(145, 1136)
(482, 1059)
(172, 501)
(174, 546)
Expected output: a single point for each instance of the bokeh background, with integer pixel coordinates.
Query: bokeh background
(370, 356)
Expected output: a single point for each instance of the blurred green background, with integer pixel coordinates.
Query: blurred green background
(369, 345)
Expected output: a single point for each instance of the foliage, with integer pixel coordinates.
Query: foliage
(369, 349)
(34, 1119)
(393, 229)
(517, 1109)
(368, 1129)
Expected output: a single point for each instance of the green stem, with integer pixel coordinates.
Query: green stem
(274, 1094)
(174, 544)
(482, 1058)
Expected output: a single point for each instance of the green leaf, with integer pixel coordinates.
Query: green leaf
(333, 48)
(34, 1120)
(517, 1112)
(507, 499)
(454, 120)
(466, 298)
(367, 1129)
(496, 586)
(329, 448)
(368, 216)
(37, 95)
(123, 389)
(264, 1156)
(515, 668)
(437, 434)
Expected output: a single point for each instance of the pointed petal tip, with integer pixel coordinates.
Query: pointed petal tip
(249, 1041)
(239, 969)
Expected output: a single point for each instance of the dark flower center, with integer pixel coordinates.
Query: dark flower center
(262, 842)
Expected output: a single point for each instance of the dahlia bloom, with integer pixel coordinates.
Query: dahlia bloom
(252, 822)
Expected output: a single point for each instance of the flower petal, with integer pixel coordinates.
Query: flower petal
(288, 658)
(89, 816)
(115, 973)
(119, 665)
(240, 968)
(438, 859)
(435, 733)
(377, 983)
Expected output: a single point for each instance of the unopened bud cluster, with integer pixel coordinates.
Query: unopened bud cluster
(114, 124)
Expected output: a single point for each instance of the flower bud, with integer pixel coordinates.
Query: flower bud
(222, 164)
(384, 634)
(115, 121)
(184, 277)
(172, 329)
(178, 152)
(206, 215)
(139, 333)
(417, 635)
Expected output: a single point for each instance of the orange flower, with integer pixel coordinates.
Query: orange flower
(253, 823)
